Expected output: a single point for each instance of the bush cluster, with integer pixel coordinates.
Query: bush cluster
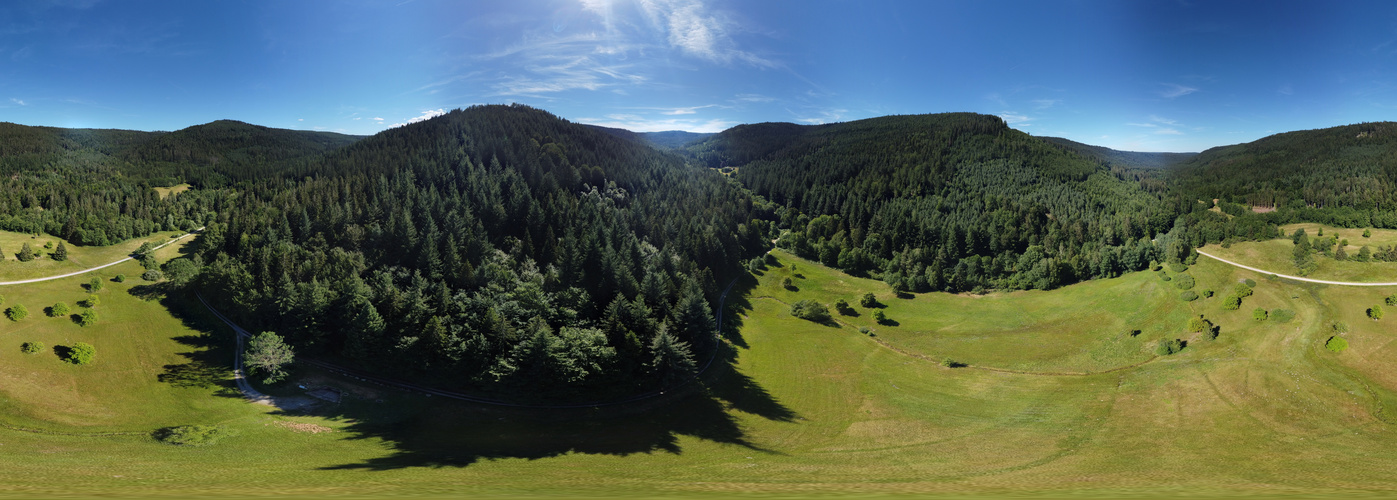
(1336, 344)
(810, 310)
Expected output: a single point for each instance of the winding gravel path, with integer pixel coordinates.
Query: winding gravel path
(1296, 278)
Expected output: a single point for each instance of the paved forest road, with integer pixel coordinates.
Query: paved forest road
(90, 269)
(1296, 278)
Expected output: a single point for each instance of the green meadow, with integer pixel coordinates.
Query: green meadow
(1275, 255)
(1053, 392)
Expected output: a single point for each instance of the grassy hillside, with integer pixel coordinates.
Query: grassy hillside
(1276, 255)
(805, 409)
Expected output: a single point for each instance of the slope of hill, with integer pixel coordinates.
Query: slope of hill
(213, 153)
(497, 247)
(953, 201)
(674, 139)
(1344, 175)
(1127, 159)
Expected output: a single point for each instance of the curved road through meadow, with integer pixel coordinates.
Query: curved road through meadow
(90, 269)
(1296, 278)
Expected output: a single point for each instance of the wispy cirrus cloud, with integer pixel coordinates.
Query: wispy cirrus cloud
(1046, 103)
(638, 123)
(821, 117)
(1013, 118)
(1161, 125)
(1173, 90)
(18, 101)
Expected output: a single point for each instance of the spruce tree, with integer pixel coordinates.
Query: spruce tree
(61, 253)
(26, 253)
(673, 362)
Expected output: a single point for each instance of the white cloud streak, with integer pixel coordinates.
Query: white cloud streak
(1174, 90)
(426, 115)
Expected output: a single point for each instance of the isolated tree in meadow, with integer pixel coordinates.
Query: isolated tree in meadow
(1364, 254)
(94, 285)
(91, 301)
(60, 254)
(1340, 254)
(842, 306)
(26, 253)
(868, 300)
(1298, 236)
(1375, 312)
(81, 353)
(31, 347)
(1258, 314)
(120, 278)
(87, 318)
(1391, 300)
(1367, 233)
(1184, 282)
(1336, 344)
(787, 284)
(810, 310)
(879, 317)
(1197, 324)
(59, 310)
(17, 312)
(1170, 346)
(269, 356)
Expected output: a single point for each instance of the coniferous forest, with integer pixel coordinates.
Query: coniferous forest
(502, 249)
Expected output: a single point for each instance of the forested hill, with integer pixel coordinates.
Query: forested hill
(671, 139)
(954, 201)
(1342, 175)
(498, 247)
(214, 153)
(1128, 159)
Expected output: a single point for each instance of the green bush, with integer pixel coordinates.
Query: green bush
(1167, 347)
(785, 283)
(120, 278)
(17, 312)
(879, 317)
(1185, 282)
(1340, 327)
(868, 300)
(155, 275)
(1189, 296)
(1207, 294)
(1198, 324)
(1249, 283)
(192, 435)
(1232, 302)
(1391, 300)
(87, 318)
(1242, 290)
(81, 353)
(1258, 314)
(94, 285)
(58, 310)
(1336, 344)
(842, 306)
(1367, 233)
(1177, 267)
(31, 347)
(1375, 312)
(865, 330)
(810, 310)
(90, 302)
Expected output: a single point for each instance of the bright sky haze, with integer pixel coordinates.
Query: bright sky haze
(1140, 76)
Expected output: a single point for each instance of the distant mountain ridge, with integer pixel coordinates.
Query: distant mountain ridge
(1135, 159)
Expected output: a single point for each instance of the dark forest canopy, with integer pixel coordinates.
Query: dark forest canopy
(954, 201)
(670, 139)
(1345, 175)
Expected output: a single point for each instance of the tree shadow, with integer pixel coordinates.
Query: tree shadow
(153, 291)
(737, 305)
(63, 352)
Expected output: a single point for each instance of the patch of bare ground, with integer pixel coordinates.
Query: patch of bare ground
(1262, 210)
(302, 427)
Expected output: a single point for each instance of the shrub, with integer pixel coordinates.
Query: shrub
(94, 285)
(91, 301)
(1197, 324)
(191, 435)
(1208, 294)
(1232, 302)
(810, 310)
(81, 353)
(87, 318)
(31, 347)
(1340, 327)
(880, 317)
(1258, 314)
(155, 275)
(1375, 312)
(865, 330)
(951, 363)
(1189, 296)
(785, 283)
(17, 312)
(868, 300)
(1167, 347)
(1185, 282)
(842, 306)
(1177, 267)
(1165, 277)
(1249, 283)
(1336, 344)
(1367, 233)
(1243, 289)
(1391, 300)
(58, 310)
(120, 278)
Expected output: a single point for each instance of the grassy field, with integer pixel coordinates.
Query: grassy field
(1275, 255)
(803, 409)
(79, 258)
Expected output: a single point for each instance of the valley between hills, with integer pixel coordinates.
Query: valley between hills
(906, 305)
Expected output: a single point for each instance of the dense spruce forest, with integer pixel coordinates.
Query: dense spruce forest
(955, 202)
(1346, 176)
(505, 250)
(497, 246)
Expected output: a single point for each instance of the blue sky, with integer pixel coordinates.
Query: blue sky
(1144, 76)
